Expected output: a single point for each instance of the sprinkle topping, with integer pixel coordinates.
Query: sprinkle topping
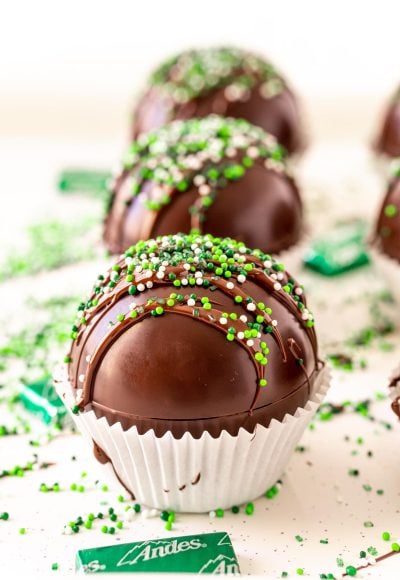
(192, 74)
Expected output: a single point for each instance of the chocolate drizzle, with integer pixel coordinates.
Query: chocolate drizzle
(215, 272)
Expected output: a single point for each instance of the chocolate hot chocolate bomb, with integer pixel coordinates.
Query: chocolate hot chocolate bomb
(192, 334)
(214, 175)
(223, 81)
(387, 230)
(396, 401)
(388, 138)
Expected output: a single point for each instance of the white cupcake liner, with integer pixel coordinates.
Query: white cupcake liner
(390, 271)
(233, 469)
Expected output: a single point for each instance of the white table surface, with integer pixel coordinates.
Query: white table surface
(318, 498)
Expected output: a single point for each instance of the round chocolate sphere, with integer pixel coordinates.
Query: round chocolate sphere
(388, 138)
(394, 387)
(223, 81)
(190, 333)
(214, 175)
(387, 230)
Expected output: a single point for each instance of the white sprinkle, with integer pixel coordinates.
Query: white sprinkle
(81, 378)
(241, 278)
(212, 514)
(132, 306)
(141, 287)
(88, 357)
(250, 342)
(184, 282)
(252, 152)
(277, 286)
(304, 316)
(204, 189)
(199, 281)
(223, 320)
(186, 267)
(149, 284)
(191, 302)
(230, 285)
(199, 180)
(243, 318)
(274, 323)
(298, 291)
(267, 264)
(240, 335)
(160, 275)
(251, 306)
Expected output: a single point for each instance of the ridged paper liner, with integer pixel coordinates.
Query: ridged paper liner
(233, 469)
(390, 271)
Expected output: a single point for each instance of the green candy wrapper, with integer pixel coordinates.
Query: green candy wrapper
(41, 398)
(83, 181)
(341, 250)
(199, 554)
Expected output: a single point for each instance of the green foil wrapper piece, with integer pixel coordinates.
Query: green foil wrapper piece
(40, 398)
(341, 250)
(83, 181)
(199, 554)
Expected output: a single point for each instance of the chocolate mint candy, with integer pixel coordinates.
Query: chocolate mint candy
(40, 398)
(198, 554)
(341, 250)
(84, 181)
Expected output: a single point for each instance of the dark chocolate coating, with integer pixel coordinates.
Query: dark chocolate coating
(388, 139)
(387, 233)
(263, 209)
(396, 402)
(278, 115)
(178, 372)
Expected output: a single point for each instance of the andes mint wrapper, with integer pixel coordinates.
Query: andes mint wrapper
(199, 554)
(343, 249)
(40, 398)
(89, 182)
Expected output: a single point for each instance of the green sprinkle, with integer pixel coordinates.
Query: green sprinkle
(390, 210)
(395, 547)
(137, 507)
(249, 509)
(351, 571)
(263, 382)
(386, 536)
(168, 525)
(238, 299)
(120, 525)
(22, 531)
(235, 509)
(300, 571)
(299, 538)
(54, 566)
(219, 513)
(4, 516)
(104, 488)
(104, 529)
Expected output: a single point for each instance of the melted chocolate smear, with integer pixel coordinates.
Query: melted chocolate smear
(103, 458)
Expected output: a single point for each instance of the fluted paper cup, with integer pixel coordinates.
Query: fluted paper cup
(198, 475)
